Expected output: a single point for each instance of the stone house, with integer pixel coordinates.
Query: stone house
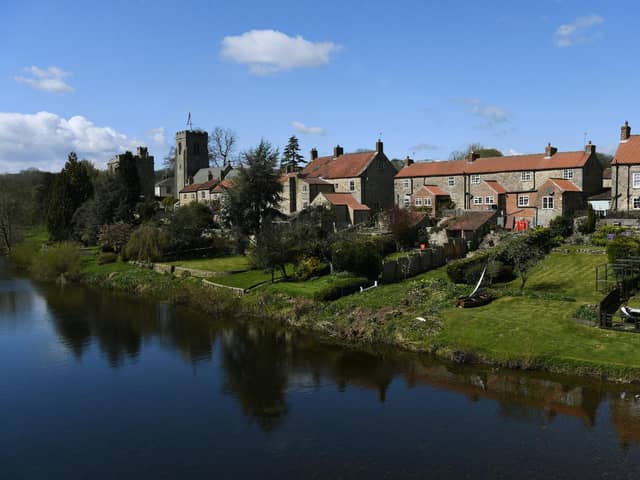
(470, 182)
(625, 172)
(299, 191)
(207, 192)
(348, 211)
(430, 198)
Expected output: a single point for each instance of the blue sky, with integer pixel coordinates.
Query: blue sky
(430, 76)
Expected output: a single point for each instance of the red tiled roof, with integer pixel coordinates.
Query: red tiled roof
(495, 186)
(347, 165)
(536, 161)
(224, 185)
(628, 152)
(195, 187)
(469, 221)
(433, 169)
(344, 199)
(564, 185)
(433, 190)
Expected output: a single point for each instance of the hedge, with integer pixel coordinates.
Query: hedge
(341, 287)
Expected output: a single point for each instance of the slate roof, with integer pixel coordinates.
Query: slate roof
(348, 165)
(469, 221)
(628, 152)
(603, 195)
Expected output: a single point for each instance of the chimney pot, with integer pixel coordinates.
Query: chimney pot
(314, 154)
(625, 132)
(379, 146)
(408, 161)
(550, 151)
(337, 151)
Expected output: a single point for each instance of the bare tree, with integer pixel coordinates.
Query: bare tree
(221, 145)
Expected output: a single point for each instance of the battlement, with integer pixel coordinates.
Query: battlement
(184, 133)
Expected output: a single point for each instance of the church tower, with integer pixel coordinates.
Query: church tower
(192, 154)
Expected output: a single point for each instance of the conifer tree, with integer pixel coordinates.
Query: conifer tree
(291, 157)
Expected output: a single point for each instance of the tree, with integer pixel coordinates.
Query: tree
(71, 188)
(523, 255)
(256, 191)
(186, 226)
(476, 148)
(402, 224)
(11, 214)
(222, 142)
(291, 156)
(274, 248)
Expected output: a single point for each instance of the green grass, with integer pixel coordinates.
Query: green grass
(306, 289)
(248, 279)
(221, 264)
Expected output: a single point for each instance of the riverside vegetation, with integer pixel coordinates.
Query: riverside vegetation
(533, 327)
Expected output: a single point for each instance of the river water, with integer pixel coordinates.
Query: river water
(96, 385)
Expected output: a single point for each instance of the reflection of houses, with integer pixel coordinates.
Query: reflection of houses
(347, 210)
(520, 182)
(366, 176)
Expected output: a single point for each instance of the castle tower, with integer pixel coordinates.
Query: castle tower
(192, 154)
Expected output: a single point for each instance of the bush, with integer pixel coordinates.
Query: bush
(23, 255)
(362, 256)
(623, 247)
(600, 237)
(561, 226)
(588, 225)
(461, 271)
(114, 236)
(60, 259)
(107, 257)
(147, 244)
(340, 287)
(309, 267)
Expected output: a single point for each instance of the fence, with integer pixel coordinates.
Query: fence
(413, 264)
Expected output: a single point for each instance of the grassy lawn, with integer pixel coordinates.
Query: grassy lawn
(302, 289)
(248, 279)
(221, 264)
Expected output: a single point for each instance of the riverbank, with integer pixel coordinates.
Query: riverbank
(531, 329)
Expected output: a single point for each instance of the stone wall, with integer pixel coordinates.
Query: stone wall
(412, 265)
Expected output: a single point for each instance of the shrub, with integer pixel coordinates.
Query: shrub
(360, 256)
(60, 259)
(588, 225)
(114, 236)
(107, 257)
(561, 226)
(340, 287)
(623, 247)
(147, 244)
(23, 255)
(601, 236)
(457, 271)
(309, 267)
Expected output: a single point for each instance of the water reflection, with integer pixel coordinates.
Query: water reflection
(263, 368)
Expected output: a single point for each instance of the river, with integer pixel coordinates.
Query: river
(97, 385)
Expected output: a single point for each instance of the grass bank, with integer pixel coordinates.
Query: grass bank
(531, 329)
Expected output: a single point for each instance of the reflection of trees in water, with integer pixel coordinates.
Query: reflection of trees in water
(120, 324)
(16, 297)
(255, 373)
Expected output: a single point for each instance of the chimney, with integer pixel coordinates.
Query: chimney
(408, 161)
(379, 146)
(472, 157)
(625, 132)
(314, 154)
(590, 148)
(550, 151)
(337, 151)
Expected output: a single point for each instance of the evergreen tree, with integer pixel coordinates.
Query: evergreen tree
(256, 190)
(71, 188)
(291, 157)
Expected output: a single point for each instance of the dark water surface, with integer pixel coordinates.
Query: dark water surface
(95, 385)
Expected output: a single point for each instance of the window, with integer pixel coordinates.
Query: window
(636, 180)
(547, 203)
(304, 187)
(427, 201)
(406, 184)
(523, 201)
(451, 181)
(352, 185)
(477, 200)
(202, 194)
(406, 202)
(305, 204)
(179, 148)
(193, 195)
(488, 200)
(636, 202)
(567, 174)
(418, 202)
(381, 164)
(475, 179)
(525, 176)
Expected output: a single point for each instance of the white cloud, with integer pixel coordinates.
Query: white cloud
(43, 140)
(302, 128)
(158, 135)
(49, 79)
(423, 147)
(269, 51)
(512, 151)
(492, 114)
(578, 32)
